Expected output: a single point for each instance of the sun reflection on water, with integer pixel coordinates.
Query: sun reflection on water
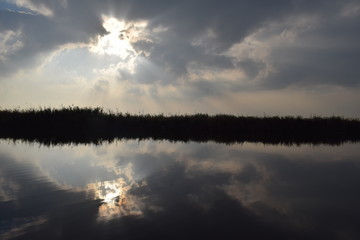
(116, 201)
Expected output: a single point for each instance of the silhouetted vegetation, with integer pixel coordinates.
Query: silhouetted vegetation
(94, 125)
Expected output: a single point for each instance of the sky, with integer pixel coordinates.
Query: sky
(243, 57)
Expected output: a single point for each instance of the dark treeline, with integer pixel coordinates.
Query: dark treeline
(93, 125)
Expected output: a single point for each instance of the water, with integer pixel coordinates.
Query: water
(163, 190)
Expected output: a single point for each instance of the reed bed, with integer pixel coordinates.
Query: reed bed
(94, 125)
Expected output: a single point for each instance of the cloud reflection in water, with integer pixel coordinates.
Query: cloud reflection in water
(182, 191)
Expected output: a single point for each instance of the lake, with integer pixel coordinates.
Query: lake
(171, 190)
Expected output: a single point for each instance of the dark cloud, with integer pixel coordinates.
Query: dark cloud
(315, 67)
(229, 22)
(251, 67)
(327, 54)
(203, 88)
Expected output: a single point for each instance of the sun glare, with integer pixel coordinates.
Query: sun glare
(119, 39)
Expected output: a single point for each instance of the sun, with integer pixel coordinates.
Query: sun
(119, 39)
(119, 42)
(116, 42)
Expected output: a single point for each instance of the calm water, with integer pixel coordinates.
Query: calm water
(163, 190)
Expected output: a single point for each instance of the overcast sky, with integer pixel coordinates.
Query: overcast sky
(245, 57)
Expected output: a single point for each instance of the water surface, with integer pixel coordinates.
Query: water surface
(164, 190)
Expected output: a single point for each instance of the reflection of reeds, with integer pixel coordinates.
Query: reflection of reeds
(82, 125)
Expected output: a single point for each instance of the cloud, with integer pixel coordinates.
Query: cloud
(307, 43)
(9, 43)
(43, 33)
(195, 31)
(324, 54)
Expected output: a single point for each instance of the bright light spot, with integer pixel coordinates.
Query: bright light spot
(119, 38)
(118, 41)
(116, 201)
(113, 191)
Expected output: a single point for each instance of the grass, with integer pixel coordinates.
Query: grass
(93, 125)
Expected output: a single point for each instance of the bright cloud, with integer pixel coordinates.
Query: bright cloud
(10, 43)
